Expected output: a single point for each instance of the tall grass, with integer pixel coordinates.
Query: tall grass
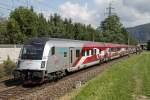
(125, 80)
(1, 71)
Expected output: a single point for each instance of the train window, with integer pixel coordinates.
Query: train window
(118, 49)
(99, 51)
(91, 52)
(83, 53)
(88, 52)
(53, 50)
(71, 55)
(65, 54)
(33, 52)
(109, 49)
(77, 53)
(112, 49)
(95, 51)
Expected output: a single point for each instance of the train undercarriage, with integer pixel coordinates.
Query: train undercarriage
(37, 77)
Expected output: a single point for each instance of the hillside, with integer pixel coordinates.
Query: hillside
(141, 32)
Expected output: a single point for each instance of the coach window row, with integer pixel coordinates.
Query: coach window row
(114, 49)
(91, 52)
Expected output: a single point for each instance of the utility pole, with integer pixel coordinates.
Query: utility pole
(128, 39)
(109, 9)
(27, 1)
(12, 4)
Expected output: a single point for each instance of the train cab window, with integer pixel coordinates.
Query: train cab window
(77, 53)
(88, 53)
(53, 50)
(65, 54)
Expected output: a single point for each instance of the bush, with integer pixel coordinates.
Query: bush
(1, 71)
(9, 66)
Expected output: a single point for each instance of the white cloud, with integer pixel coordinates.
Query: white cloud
(131, 12)
(78, 13)
(140, 5)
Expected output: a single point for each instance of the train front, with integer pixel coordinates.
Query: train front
(31, 65)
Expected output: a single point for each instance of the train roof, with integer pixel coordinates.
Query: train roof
(60, 42)
(70, 42)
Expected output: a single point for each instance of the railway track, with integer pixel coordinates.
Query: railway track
(54, 90)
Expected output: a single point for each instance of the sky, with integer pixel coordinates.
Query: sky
(131, 12)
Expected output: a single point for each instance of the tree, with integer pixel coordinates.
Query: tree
(24, 23)
(42, 26)
(27, 21)
(57, 26)
(14, 34)
(76, 30)
(113, 30)
(3, 29)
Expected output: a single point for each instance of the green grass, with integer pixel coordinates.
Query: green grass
(126, 80)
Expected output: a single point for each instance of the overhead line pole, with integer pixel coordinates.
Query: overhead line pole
(27, 3)
(12, 4)
(109, 9)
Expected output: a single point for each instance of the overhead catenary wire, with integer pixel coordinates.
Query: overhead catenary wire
(3, 4)
(5, 8)
(26, 3)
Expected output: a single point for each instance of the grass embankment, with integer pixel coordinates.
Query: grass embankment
(125, 80)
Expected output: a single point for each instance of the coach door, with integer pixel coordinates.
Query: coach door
(71, 56)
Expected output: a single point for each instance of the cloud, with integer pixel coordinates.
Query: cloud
(131, 12)
(78, 13)
(140, 5)
(134, 12)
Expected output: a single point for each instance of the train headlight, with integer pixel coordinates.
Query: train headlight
(43, 64)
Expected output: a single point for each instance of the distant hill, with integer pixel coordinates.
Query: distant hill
(141, 32)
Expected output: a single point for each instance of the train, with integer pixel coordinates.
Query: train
(44, 59)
